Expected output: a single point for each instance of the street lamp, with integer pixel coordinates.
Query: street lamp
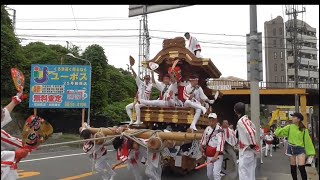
(71, 55)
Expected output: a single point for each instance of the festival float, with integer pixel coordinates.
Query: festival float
(166, 129)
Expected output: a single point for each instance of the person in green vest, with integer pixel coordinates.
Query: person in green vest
(299, 144)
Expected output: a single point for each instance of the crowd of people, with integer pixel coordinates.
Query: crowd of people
(217, 140)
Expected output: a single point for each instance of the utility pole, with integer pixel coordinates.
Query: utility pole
(144, 43)
(140, 47)
(295, 13)
(13, 17)
(254, 76)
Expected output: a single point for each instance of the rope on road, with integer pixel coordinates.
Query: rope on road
(128, 135)
(76, 141)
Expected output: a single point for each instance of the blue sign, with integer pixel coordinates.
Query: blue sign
(59, 86)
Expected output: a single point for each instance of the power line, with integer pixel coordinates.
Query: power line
(47, 29)
(74, 18)
(77, 36)
(235, 44)
(213, 43)
(49, 20)
(128, 29)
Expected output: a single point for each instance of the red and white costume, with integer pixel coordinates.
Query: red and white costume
(8, 146)
(167, 95)
(269, 139)
(134, 160)
(247, 155)
(261, 143)
(231, 141)
(230, 136)
(215, 139)
(195, 102)
(194, 46)
(98, 153)
(144, 92)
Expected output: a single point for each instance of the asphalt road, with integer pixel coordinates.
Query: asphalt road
(74, 164)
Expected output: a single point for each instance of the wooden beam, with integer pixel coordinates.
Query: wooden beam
(265, 92)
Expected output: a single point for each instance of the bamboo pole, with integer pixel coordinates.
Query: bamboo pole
(176, 136)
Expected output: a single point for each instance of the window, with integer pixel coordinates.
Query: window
(274, 43)
(282, 67)
(282, 79)
(275, 78)
(274, 31)
(275, 67)
(281, 42)
(280, 31)
(275, 55)
(281, 55)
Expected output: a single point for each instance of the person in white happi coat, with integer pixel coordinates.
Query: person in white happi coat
(143, 93)
(212, 146)
(261, 143)
(12, 150)
(195, 97)
(134, 157)
(167, 92)
(193, 45)
(269, 139)
(231, 141)
(248, 147)
(97, 153)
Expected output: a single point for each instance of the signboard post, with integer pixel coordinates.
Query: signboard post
(59, 86)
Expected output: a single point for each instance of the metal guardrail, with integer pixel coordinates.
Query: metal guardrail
(228, 85)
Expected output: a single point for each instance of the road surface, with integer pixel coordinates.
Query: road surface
(74, 164)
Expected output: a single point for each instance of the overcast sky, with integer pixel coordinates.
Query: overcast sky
(227, 52)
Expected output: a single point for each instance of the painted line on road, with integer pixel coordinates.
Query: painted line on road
(89, 174)
(27, 174)
(54, 157)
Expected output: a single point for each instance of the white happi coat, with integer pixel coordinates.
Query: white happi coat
(198, 94)
(134, 161)
(230, 136)
(268, 138)
(94, 151)
(144, 90)
(8, 146)
(165, 90)
(247, 132)
(193, 44)
(247, 157)
(99, 154)
(217, 138)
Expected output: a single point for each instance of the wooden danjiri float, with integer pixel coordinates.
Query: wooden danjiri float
(179, 146)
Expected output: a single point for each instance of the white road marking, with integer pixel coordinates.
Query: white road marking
(54, 157)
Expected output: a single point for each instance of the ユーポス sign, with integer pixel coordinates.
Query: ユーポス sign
(59, 86)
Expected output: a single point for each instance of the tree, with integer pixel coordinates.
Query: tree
(11, 55)
(99, 77)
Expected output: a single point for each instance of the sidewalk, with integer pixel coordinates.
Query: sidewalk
(275, 167)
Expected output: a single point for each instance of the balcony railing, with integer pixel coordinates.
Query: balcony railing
(228, 85)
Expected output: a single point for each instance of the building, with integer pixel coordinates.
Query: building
(260, 57)
(275, 52)
(307, 44)
(228, 83)
(279, 59)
